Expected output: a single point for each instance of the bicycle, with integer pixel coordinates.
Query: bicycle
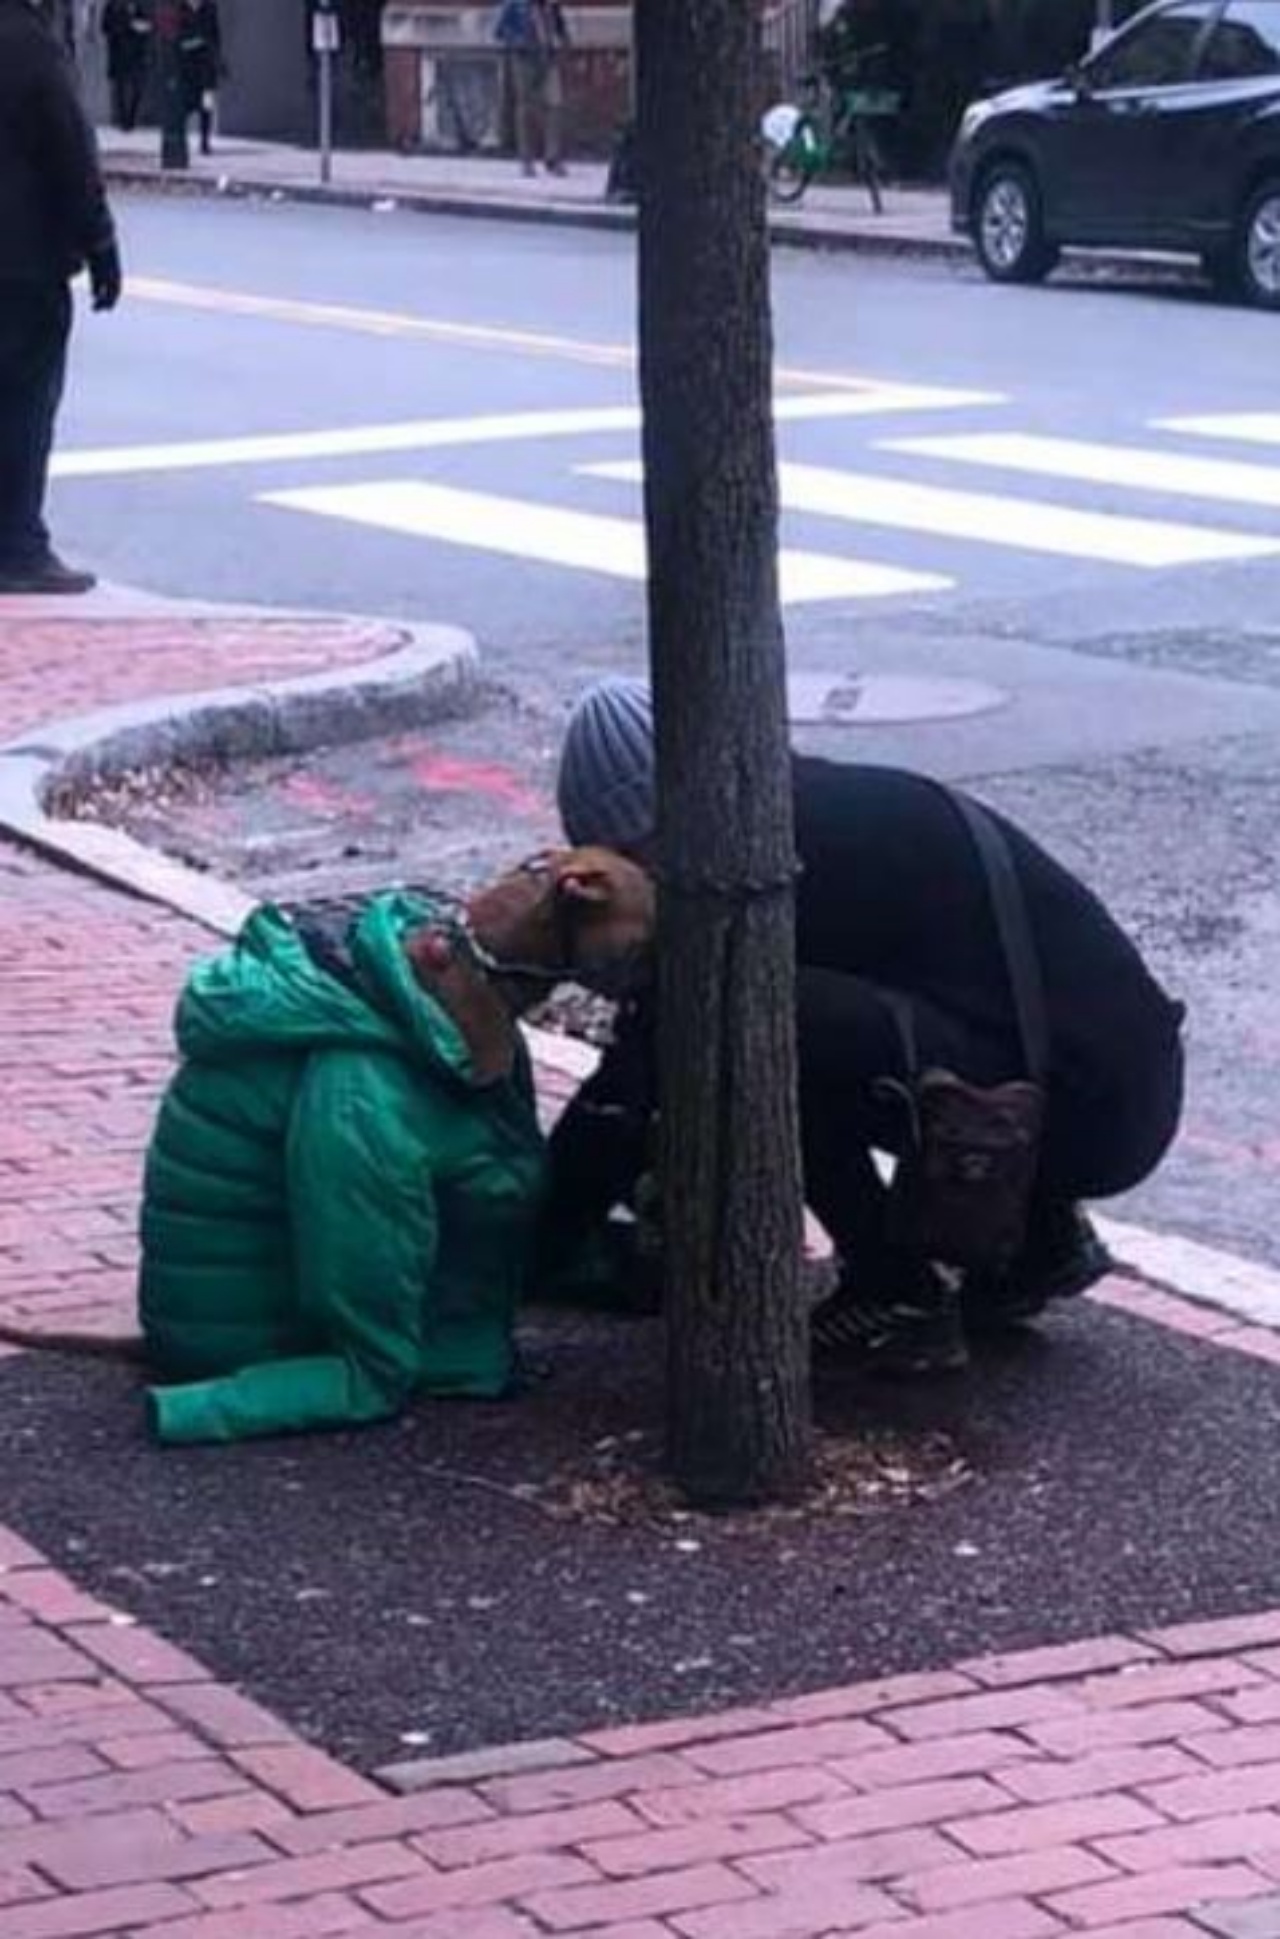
(833, 123)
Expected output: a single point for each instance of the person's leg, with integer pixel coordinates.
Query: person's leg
(892, 1308)
(206, 124)
(35, 323)
(523, 83)
(553, 118)
(1093, 1149)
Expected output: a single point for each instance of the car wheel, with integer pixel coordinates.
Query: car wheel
(1258, 246)
(1009, 228)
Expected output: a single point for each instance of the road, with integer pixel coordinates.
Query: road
(1061, 502)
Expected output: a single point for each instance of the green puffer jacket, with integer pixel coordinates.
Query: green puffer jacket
(335, 1216)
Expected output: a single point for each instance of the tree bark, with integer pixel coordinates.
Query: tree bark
(738, 1426)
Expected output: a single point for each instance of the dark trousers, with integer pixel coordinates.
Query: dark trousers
(128, 84)
(35, 326)
(851, 1041)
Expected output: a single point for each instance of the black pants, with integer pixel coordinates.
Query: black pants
(35, 325)
(127, 87)
(851, 1040)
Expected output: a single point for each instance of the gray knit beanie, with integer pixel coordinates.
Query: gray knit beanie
(605, 786)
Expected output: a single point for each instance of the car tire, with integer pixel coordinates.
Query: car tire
(1008, 226)
(1257, 251)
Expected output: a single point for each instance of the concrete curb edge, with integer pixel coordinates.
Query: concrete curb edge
(431, 675)
(788, 231)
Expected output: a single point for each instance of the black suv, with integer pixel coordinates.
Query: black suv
(1167, 137)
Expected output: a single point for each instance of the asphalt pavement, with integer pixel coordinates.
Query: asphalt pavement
(1062, 502)
(1113, 1482)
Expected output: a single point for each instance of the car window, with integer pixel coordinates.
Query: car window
(1157, 52)
(1245, 44)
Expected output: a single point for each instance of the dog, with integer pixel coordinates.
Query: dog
(568, 915)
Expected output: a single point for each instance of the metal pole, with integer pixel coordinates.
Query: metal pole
(174, 152)
(326, 115)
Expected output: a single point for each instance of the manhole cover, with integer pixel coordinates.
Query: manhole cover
(885, 699)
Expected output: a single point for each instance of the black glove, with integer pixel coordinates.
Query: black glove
(106, 278)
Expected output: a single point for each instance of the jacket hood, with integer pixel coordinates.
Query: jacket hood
(267, 993)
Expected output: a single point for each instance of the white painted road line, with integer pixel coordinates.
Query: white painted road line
(356, 441)
(1250, 427)
(436, 434)
(1141, 468)
(865, 498)
(585, 541)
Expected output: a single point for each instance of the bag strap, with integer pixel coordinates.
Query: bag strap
(1021, 957)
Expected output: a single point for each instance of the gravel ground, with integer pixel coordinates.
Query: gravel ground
(407, 1589)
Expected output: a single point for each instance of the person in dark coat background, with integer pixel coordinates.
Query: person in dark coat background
(200, 60)
(894, 914)
(128, 30)
(54, 221)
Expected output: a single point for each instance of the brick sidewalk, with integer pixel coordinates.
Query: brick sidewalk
(1126, 1788)
(1129, 1786)
(89, 976)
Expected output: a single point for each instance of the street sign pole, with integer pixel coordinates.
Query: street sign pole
(174, 151)
(326, 40)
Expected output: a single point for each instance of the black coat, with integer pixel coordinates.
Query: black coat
(892, 893)
(128, 30)
(200, 50)
(53, 208)
(891, 890)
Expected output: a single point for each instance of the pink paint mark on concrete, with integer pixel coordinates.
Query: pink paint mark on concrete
(447, 774)
(320, 797)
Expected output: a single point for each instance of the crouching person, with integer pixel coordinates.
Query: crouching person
(346, 1170)
(964, 1003)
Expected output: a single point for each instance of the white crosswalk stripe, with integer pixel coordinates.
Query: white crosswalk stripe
(1250, 427)
(459, 433)
(869, 498)
(586, 541)
(1143, 468)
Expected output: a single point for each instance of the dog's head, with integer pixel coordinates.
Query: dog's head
(573, 915)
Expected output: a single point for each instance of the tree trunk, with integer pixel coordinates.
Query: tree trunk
(738, 1428)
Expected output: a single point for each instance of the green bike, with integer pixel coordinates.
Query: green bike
(833, 125)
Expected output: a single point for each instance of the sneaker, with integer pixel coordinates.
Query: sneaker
(557, 168)
(917, 1334)
(47, 575)
(1062, 1261)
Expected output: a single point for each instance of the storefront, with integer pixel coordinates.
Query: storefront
(445, 82)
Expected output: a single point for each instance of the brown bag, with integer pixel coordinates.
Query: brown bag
(962, 1190)
(962, 1193)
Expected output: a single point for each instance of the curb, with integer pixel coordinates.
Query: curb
(431, 676)
(788, 232)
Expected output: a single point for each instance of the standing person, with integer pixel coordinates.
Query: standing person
(200, 63)
(534, 34)
(127, 29)
(904, 967)
(54, 221)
